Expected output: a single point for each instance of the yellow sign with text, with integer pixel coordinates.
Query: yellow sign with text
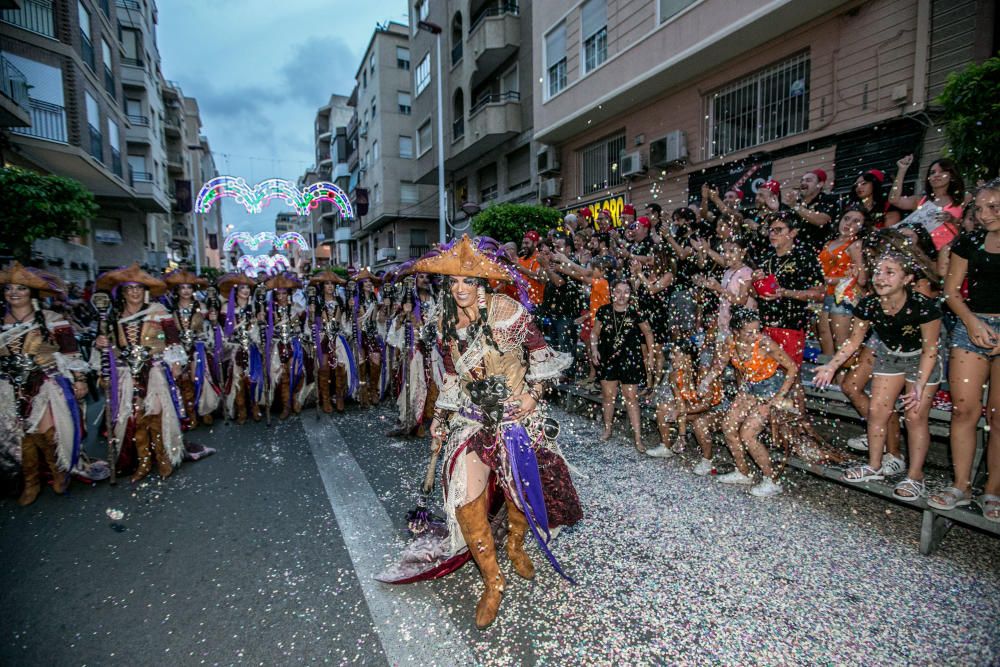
(614, 204)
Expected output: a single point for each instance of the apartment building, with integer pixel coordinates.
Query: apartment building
(642, 100)
(326, 229)
(401, 220)
(95, 113)
(487, 106)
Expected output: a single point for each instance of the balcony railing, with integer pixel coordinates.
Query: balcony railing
(48, 121)
(458, 129)
(128, 4)
(495, 98)
(139, 176)
(174, 157)
(116, 161)
(456, 53)
(504, 8)
(109, 82)
(87, 50)
(15, 84)
(134, 62)
(96, 147)
(419, 250)
(34, 15)
(142, 121)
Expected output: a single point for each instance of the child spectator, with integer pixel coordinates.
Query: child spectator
(841, 262)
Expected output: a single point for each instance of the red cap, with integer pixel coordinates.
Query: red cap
(644, 221)
(877, 175)
(606, 211)
(772, 185)
(819, 174)
(533, 235)
(739, 193)
(628, 209)
(585, 213)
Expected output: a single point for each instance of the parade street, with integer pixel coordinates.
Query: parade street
(265, 554)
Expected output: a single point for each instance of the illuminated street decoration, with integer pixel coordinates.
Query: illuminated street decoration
(252, 265)
(253, 199)
(253, 242)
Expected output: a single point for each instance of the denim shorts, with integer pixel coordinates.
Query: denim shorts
(765, 388)
(831, 306)
(907, 364)
(960, 336)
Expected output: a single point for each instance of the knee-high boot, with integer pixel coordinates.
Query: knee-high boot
(428, 415)
(374, 382)
(240, 403)
(285, 393)
(143, 454)
(31, 469)
(340, 386)
(187, 395)
(47, 448)
(517, 527)
(323, 390)
(474, 521)
(163, 464)
(363, 373)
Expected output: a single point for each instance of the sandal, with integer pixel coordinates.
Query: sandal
(990, 505)
(640, 447)
(863, 473)
(910, 490)
(949, 499)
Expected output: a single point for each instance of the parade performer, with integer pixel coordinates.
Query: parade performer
(42, 378)
(145, 356)
(196, 324)
(412, 335)
(290, 366)
(494, 430)
(243, 366)
(335, 366)
(367, 330)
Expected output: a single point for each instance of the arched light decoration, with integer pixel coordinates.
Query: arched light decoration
(251, 265)
(253, 199)
(253, 242)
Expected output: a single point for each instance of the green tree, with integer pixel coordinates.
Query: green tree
(210, 273)
(970, 104)
(509, 222)
(35, 206)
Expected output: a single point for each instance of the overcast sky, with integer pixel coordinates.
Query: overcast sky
(260, 69)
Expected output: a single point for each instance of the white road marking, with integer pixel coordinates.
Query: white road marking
(366, 529)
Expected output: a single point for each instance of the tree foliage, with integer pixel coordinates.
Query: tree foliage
(210, 273)
(36, 206)
(970, 103)
(509, 222)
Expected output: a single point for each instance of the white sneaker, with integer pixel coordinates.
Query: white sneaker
(660, 452)
(703, 468)
(858, 444)
(734, 477)
(892, 465)
(767, 488)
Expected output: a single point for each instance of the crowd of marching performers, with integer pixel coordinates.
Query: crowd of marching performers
(173, 352)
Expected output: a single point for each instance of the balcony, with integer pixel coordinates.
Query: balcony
(138, 130)
(494, 35)
(15, 107)
(385, 254)
(342, 234)
(134, 72)
(172, 125)
(48, 121)
(34, 15)
(419, 250)
(133, 5)
(175, 161)
(492, 120)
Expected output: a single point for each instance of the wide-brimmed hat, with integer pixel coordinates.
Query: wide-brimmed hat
(184, 277)
(45, 283)
(365, 274)
(227, 282)
(327, 276)
(463, 259)
(130, 274)
(285, 280)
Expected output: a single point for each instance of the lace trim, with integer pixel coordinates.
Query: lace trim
(547, 364)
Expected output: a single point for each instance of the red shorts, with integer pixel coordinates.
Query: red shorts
(792, 341)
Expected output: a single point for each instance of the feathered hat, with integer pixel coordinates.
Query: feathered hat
(463, 258)
(130, 274)
(46, 283)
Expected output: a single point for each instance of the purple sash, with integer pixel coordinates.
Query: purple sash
(74, 411)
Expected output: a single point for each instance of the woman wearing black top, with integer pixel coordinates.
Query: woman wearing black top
(975, 355)
(620, 330)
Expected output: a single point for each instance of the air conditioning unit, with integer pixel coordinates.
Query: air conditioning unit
(550, 187)
(669, 150)
(548, 160)
(364, 130)
(630, 164)
(382, 254)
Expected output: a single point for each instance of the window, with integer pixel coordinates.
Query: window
(113, 139)
(421, 11)
(109, 78)
(364, 79)
(368, 159)
(408, 193)
(670, 8)
(137, 167)
(373, 108)
(594, 27)
(599, 164)
(488, 183)
(86, 45)
(555, 59)
(519, 168)
(132, 42)
(509, 82)
(376, 193)
(765, 106)
(423, 73)
(371, 63)
(405, 147)
(374, 151)
(402, 57)
(403, 101)
(424, 141)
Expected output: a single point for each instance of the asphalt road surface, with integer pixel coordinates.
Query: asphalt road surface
(264, 554)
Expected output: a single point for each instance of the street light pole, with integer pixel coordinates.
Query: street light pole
(435, 30)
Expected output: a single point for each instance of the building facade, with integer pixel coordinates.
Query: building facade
(642, 100)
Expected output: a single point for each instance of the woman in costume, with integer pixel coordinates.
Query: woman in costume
(368, 331)
(244, 364)
(42, 378)
(289, 365)
(195, 323)
(144, 356)
(336, 371)
(489, 420)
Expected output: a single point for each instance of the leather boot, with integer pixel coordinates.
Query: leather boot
(47, 448)
(363, 395)
(323, 390)
(374, 382)
(31, 469)
(143, 454)
(340, 386)
(187, 395)
(285, 395)
(474, 521)
(517, 527)
(163, 464)
(240, 403)
(428, 416)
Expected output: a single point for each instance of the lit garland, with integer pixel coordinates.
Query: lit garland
(251, 265)
(253, 199)
(253, 242)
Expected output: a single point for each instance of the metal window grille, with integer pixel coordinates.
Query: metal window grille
(765, 106)
(599, 164)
